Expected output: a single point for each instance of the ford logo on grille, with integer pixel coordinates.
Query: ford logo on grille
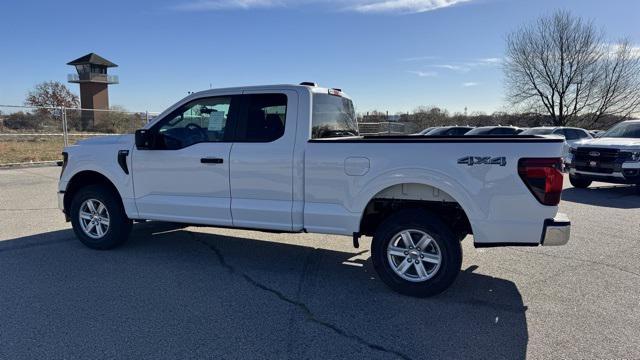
(594, 153)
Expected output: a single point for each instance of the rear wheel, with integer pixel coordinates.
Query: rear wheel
(579, 183)
(98, 218)
(416, 254)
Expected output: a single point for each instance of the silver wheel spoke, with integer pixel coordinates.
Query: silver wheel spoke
(90, 226)
(406, 238)
(90, 206)
(104, 221)
(100, 209)
(396, 251)
(422, 272)
(99, 231)
(431, 258)
(424, 242)
(404, 266)
(85, 215)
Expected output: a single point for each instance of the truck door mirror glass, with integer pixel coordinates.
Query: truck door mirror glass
(144, 139)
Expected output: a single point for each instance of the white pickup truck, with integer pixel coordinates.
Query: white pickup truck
(288, 158)
(612, 157)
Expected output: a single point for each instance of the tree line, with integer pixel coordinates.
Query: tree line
(430, 116)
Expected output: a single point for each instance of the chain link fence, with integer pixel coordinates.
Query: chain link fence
(386, 128)
(38, 134)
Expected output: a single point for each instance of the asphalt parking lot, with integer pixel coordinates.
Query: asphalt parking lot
(194, 292)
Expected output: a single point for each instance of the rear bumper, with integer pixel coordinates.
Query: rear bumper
(557, 231)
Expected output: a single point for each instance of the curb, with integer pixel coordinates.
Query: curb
(31, 164)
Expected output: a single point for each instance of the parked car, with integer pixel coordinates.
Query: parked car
(613, 157)
(284, 158)
(425, 131)
(572, 136)
(449, 131)
(495, 130)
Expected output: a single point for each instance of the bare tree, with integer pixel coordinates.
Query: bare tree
(562, 66)
(52, 94)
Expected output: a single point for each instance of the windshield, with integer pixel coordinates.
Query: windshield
(537, 131)
(624, 130)
(333, 116)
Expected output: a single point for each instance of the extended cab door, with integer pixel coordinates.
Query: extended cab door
(184, 177)
(262, 160)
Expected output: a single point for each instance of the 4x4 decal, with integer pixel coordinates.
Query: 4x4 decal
(483, 160)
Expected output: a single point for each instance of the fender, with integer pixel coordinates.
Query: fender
(122, 182)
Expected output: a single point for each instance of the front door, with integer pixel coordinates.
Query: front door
(185, 176)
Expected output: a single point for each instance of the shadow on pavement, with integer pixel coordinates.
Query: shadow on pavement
(173, 293)
(620, 197)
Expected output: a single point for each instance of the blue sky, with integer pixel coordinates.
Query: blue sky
(387, 54)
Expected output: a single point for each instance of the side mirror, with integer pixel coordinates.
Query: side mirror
(144, 139)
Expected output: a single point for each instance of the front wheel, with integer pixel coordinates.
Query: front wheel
(416, 254)
(98, 218)
(579, 183)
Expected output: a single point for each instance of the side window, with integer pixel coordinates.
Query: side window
(583, 134)
(571, 134)
(202, 120)
(263, 119)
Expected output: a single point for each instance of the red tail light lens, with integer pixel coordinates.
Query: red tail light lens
(543, 177)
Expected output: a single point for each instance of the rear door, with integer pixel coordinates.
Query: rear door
(261, 161)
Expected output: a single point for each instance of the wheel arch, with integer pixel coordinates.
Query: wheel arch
(416, 194)
(84, 178)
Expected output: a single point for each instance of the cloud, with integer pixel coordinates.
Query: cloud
(470, 84)
(458, 68)
(361, 6)
(634, 50)
(491, 61)
(424, 73)
(405, 6)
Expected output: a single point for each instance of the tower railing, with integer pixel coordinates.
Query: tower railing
(94, 77)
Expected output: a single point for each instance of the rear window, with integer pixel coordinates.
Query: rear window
(333, 116)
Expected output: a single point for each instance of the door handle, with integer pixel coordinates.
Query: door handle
(212, 160)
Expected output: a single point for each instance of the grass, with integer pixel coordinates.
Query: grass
(20, 149)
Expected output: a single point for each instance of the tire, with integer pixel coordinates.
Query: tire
(387, 261)
(579, 183)
(106, 206)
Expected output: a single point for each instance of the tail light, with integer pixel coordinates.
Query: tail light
(543, 177)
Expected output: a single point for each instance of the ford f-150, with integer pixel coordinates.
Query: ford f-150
(289, 158)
